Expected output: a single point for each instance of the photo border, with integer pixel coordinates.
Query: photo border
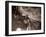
(7, 17)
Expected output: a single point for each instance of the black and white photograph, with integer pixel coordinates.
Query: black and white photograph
(24, 18)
